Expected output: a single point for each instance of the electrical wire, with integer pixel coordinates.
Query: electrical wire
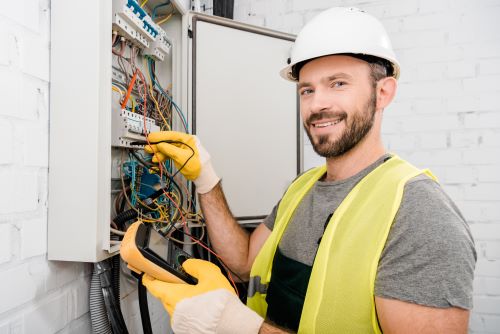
(153, 15)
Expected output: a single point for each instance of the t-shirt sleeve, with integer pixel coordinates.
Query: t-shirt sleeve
(269, 220)
(429, 256)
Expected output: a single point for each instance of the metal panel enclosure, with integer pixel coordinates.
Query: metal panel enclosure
(245, 114)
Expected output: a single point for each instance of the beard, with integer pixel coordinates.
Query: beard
(357, 127)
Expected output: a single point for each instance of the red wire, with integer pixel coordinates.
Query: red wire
(184, 223)
(129, 90)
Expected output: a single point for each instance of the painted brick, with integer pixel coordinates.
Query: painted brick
(484, 120)
(401, 8)
(431, 123)
(461, 69)
(78, 299)
(392, 25)
(433, 21)
(482, 84)
(4, 51)
(432, 71)
(36, 145)
(24, 12)
(35, 56)
(10, 92)
(433, 140)
(462, 104)
(460, 35)
(35, 101)
(270, 8)
(483, 192)
(487, 286)
(490, 249)
(487, 268)
(300, 5)
(18, 287)
(488, 231)
(487, 305)
(436, 89)
(429, 106)
(5, 242)
(489, 101)
(82, 325)
(476, 323)
(491, 139)
(492, 323)
(34, 237)
(489, 66)
(255, 20)
(400, 107)
(293, 22)
(488, 174)
(459, 175)
(50, 317)
(22, 194)
(465, 139)
(62, 273)
(402, 142)
(432, 6)
(7, 140)
(484, 156)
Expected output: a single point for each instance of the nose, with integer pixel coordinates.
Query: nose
(320, 101)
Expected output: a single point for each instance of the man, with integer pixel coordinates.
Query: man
(365, 244)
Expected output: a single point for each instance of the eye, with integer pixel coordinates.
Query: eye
(306, 91)
(338, 84)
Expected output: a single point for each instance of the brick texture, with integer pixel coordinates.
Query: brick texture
(37, 296)
(446, 115)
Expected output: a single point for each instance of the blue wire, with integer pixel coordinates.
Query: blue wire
(179, 111)
(153, 15)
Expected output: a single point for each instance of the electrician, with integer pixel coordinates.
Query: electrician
(365, 244)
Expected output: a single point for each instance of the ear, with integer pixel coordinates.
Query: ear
(386, 90)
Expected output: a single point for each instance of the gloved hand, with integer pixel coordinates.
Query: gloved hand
(189, 157)
(211, 306)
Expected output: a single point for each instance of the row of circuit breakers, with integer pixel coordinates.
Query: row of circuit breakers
(134, 24)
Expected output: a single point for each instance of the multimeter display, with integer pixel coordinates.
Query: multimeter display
(162, 252)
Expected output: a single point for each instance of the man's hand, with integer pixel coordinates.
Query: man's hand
(189, 156)
(211, 306)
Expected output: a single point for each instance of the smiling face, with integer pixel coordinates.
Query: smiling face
(337, 102)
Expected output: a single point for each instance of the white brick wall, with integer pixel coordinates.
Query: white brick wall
(447, 112)
(36, 295)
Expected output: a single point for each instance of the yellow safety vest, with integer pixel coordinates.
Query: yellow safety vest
(340, 293)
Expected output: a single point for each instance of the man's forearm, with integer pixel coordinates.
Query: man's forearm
(230, 240)
(268, 328)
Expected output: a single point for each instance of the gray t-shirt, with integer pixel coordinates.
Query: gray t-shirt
(429, 256)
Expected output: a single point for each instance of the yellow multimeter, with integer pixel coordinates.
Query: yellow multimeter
(147, 251)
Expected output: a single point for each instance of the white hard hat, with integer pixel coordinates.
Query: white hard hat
(340, 30)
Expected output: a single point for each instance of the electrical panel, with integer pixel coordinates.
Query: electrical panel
(138, 67)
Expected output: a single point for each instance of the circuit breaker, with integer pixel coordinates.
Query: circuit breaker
(130, 68)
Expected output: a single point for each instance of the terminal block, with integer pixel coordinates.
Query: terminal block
(131, 12)
(160, 47)
(128, 127)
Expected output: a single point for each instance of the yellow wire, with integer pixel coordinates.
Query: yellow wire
(116, 89)
(152, 97)
(144, 2)
(165, 19)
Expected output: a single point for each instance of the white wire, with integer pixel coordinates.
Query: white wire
(115, 231)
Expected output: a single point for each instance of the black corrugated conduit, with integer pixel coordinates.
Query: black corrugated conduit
(98, 314)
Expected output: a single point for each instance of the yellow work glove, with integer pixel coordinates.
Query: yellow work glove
(211, 306)
(189, 156)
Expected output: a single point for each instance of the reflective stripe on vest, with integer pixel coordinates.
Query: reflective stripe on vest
(340, 296)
